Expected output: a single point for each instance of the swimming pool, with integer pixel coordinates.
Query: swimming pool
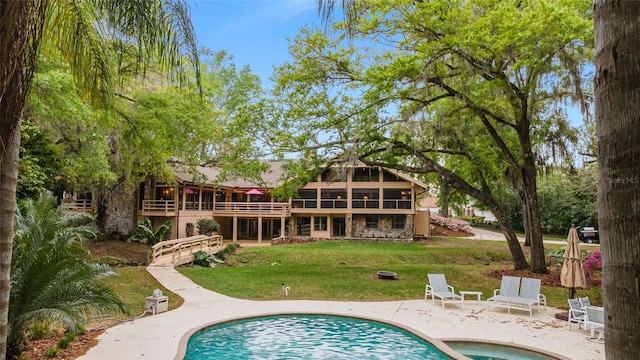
(337, 337)
(495, 351)
(308, 337)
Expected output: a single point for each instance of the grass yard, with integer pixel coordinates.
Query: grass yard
(347, 271)
(133, 284)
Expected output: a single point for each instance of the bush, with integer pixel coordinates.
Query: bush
(205, 260)
(207, 226)
(39, 331)
(64, 341)
(190, 228)
(593, 268)
(52, 352)
(230, 248)
(451, 224)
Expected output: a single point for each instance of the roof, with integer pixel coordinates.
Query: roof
(272, 177)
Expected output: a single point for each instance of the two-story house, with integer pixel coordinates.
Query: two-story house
(352, 202)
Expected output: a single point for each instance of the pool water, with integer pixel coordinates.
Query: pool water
(485, 351)
(308, 337)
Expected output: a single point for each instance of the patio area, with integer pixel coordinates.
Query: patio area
(161, 336)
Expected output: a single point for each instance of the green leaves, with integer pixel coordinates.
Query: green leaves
(146, 233)
(53, 282)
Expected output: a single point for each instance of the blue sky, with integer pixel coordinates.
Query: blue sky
(255, 32)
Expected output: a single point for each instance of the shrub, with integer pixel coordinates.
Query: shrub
(205, 260)
(593, 268)
(52, 352)
(230, 248)
(64, 341)
(39, 331)
(451, 224)
(190, 228)
(145, 232)
(207, 226)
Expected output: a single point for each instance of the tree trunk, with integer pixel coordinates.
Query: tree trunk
(617, 109)
(519, 260)
(445, 195)
(530, 191)
(525, 219)
(19, 40)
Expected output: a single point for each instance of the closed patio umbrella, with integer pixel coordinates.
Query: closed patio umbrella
(572, 272)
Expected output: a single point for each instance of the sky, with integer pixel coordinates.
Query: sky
(254, 32)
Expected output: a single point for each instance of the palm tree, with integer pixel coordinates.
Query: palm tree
(53, 281)
(617, 90)
(92, 36)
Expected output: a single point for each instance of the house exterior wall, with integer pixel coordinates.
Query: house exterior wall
(385, 227)
(332, 207)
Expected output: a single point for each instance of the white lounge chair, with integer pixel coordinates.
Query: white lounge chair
(530, 294)
(508, 296)
(584, 302)
(576, 313)
(507, 292)
(594, 320)
(438, 287)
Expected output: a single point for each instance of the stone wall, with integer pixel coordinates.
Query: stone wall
(384, 230)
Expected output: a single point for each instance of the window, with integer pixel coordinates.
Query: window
(372, 222)
(389, 177)
(308, 199)
(320, 223)
(303, 226)
(397, 198)
(398, 222)
(333, 175)
(365, 175)
(333, 198)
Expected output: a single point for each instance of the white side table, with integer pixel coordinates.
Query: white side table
(476, 293)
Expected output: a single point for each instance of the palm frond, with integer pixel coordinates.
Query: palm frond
(53, 280)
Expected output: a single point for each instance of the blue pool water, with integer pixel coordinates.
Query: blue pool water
(308, 337)
(483, 351)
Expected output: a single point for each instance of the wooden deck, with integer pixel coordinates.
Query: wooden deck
(181, 251)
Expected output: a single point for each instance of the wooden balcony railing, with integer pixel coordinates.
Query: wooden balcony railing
(396, 204)
(160, 207)
(168, 208)
(72, 205)
(255, 208)
(355, 204)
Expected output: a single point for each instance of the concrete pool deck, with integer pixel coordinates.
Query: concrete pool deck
(159, 336)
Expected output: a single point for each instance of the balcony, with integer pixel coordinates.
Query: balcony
(396, 204)
(158, 208)
(168, 208)
(76, 206)
(252, 209)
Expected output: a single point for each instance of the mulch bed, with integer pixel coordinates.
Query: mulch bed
(78, 347)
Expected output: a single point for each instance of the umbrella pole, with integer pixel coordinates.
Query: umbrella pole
(572, 293)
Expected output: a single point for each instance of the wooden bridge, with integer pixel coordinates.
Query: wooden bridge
(181, 251)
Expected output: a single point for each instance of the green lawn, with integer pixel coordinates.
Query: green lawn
(346, 271)
(133, 284)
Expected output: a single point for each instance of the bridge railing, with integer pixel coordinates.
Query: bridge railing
(186, 246)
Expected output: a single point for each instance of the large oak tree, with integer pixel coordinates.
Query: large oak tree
(469, 89)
